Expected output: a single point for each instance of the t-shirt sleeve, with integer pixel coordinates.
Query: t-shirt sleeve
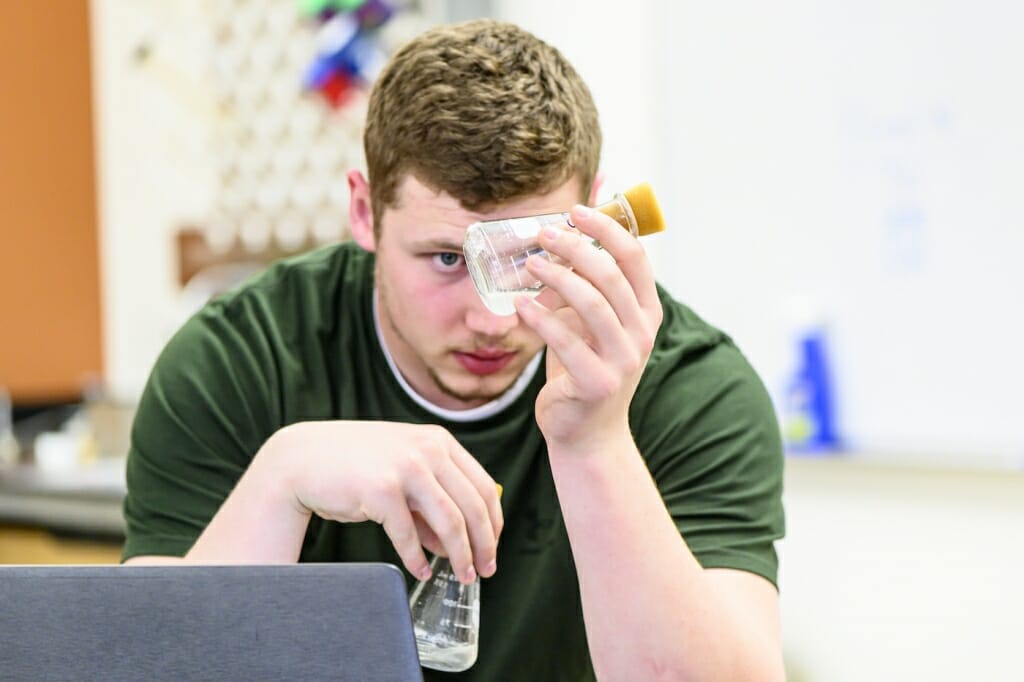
(206, 410)
(711, 440)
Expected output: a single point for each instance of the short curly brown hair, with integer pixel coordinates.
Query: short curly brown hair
(483, 111)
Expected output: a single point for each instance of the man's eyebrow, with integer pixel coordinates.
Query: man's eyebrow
(437, 245)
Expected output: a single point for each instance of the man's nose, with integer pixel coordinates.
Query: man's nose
(485, 323)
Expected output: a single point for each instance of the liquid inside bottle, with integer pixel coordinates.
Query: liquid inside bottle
(446, 619)
(496, 254)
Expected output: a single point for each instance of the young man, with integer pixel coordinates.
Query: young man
(359, 403)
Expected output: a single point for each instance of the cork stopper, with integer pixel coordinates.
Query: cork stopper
(500, 489)
(645, 208)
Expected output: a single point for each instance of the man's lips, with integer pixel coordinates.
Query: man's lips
(484, 361)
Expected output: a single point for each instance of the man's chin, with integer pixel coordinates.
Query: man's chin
(477, 391)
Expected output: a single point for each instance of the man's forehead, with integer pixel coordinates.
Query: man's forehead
(428, 219)
(425, 219)
(416, 195)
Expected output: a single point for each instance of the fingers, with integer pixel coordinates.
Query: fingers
(418, 483)
(475, 523)
(605, 288)
(400, 527)
(595, 307)
(550, 299)
(428, 538)
(627, 251)
(575, 354)
(485, 550)
(458, 501)
(436, 505)
(596, 267)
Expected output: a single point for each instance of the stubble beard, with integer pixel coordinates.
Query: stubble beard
(479, 396)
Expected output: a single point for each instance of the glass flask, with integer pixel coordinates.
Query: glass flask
(496, 250)
(446, 619)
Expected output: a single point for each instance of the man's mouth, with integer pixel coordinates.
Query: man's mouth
(484, 361)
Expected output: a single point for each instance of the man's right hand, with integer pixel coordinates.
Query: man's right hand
(415, 480)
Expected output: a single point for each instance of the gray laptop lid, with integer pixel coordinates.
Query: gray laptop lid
(281, 622)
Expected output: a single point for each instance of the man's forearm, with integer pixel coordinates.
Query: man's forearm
(650, 610)
(260, 521)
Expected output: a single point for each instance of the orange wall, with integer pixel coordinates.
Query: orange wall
(49, 254)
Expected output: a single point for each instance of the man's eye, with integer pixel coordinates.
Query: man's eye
(449, 260)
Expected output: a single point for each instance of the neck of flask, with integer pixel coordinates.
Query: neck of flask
(619, 210)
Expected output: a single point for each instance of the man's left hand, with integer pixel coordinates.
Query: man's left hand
(599, 317)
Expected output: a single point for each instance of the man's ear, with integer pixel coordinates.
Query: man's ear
(595, 188)
(360, 212)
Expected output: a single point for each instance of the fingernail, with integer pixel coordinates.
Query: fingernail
(470, 574)
(583, 211)
(551, 233)
(492, 566)
(424, 573)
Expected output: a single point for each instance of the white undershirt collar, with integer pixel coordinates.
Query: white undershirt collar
(472, 414)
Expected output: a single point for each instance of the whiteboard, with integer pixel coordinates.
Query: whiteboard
(861, 164)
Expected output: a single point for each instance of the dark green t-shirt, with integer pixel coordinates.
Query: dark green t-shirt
(298, 343)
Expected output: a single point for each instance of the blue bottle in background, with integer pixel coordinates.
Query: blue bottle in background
(809, 420)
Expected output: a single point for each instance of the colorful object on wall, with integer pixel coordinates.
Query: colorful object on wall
(313, 7)
(809, 420)
(348, 55)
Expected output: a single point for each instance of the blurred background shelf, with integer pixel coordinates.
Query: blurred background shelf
(87, 501)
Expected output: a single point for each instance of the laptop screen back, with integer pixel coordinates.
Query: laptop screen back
(301, 622)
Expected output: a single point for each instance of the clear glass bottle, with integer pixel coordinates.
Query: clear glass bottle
(446, 619)
(496, 250)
